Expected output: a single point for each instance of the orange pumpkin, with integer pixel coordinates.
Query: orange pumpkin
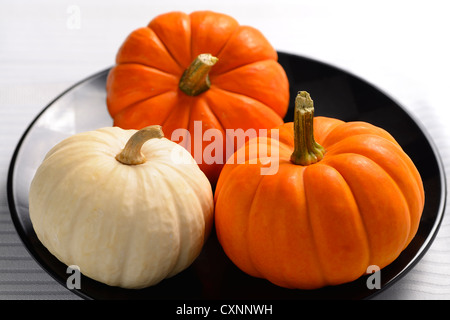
(202, 68)
(344, 197)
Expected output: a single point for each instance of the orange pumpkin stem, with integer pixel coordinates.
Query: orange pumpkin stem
(195, 78)
(306, 150)
(131, 153)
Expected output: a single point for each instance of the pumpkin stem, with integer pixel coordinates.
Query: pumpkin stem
(195, 78)
(306, 150)
(131, 153)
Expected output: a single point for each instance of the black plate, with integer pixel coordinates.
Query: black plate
(336, 94)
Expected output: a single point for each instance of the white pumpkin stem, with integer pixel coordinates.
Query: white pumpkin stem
(131, 153)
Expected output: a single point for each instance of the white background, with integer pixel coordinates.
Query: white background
(399, 46)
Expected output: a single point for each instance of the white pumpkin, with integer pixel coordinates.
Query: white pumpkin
(129, 222)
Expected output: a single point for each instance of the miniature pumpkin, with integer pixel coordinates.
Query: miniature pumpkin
(344, 197)
(129, 220)
(200, 68)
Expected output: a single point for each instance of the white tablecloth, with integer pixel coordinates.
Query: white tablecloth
(399, 46)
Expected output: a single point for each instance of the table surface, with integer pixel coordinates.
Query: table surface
(398, 46)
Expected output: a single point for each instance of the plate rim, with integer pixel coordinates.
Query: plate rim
(416, 258)
(10, 184)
